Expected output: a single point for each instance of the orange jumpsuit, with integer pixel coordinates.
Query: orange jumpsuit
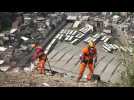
(41, 64)
(87, 57)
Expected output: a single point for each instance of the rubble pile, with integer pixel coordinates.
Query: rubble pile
(15, 45)
(47, 28)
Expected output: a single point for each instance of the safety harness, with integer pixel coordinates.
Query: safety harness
(88, 58)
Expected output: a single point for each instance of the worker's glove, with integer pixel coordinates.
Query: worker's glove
(94, 62)
(95, 59)
(81, 57)
(34, 57)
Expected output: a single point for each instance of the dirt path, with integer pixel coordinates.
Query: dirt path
(23, 79)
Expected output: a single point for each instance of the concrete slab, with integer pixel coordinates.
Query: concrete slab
(110, 68)
(102, 64)
(61, 63)
(116, 77)
(52, 54)
(67, 60)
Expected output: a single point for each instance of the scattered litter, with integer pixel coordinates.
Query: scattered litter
(46, 84)
(48, 74)
(2, 35)
(27, 69)
(4, 68)
(3, 49)
(24, 38)
(13, 30)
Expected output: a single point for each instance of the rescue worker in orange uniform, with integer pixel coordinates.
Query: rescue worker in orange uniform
(41, 63)
(88, 57)
(38, 50)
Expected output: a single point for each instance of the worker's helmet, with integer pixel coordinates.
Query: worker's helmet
(91, 44)
(85, 51)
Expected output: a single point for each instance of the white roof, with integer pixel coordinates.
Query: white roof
(86, 28)
(84, 17)
(71, 17)
(61, 36)
(76, 24)
(13, 30)
(116, 17)
(40, 18)
(107, 31)
(74, 33)
(57, 36)
(27, 18)
(61, 31)
(105, 47)
(89, 26)
(75, 40)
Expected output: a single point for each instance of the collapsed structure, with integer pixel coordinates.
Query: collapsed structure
(62, 35)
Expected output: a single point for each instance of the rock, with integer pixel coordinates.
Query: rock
(1, 62)
(15, 70)
(4, 68)
(24, 38)
(3, 49)
(27, 69)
